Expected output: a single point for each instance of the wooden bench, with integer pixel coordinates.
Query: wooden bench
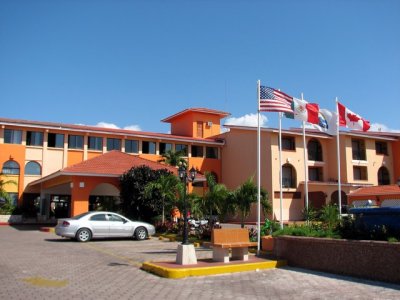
(236, 239)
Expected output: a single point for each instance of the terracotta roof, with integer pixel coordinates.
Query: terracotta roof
(377, 190)
(113, 163)
(220, 113)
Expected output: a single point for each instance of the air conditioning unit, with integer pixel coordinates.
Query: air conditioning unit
(209, 123)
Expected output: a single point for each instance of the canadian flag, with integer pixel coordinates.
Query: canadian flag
(351, 120)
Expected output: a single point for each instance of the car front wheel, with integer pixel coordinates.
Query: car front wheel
(83, 235)
(141, 233)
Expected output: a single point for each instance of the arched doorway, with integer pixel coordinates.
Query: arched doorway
(104, 197)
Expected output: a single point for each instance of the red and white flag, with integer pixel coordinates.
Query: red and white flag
(351, 120)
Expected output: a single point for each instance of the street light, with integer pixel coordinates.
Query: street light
(184, 178)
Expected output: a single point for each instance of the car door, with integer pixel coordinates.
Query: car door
(99, 225)
(119, 227)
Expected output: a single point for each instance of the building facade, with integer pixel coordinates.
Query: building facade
(366, 159)
(69, 168)
(41, 158)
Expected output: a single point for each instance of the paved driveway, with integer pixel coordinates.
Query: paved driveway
(39, 265)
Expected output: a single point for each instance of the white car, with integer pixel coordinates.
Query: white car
(102, 224)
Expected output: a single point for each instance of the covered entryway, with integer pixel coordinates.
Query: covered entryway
(90, 185)
(104, 196)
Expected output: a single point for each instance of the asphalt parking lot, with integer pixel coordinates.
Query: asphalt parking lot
(40, 265)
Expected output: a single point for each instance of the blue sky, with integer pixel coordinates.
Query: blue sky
(133, 63)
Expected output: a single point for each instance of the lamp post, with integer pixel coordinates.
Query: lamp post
(184, 178)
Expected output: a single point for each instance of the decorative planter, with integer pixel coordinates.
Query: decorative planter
(376, 260)
(11, 219)
(267, 243)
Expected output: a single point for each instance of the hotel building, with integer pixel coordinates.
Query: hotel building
(67, 168)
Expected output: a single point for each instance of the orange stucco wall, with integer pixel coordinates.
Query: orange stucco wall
(17, 154)
(186, 124)
(93, 154)
(74, 157)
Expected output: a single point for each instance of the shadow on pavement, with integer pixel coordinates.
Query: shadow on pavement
(28, 227)
(346, 278)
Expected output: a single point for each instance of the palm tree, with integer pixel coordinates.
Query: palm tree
(166, 186)
(216, 197)
(173, 158)
(7, 206)
(244, 196)
(265, 203)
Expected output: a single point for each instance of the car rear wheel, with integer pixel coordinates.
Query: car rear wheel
(141, 233)
(83, 235)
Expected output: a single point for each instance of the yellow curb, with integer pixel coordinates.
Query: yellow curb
(176, 273)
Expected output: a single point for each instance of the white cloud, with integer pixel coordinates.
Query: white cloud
(107, 125)
(382, 127)
(133, 127)
(247, 120)
(113, 126)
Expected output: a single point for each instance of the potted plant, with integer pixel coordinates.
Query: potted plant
(267, 241)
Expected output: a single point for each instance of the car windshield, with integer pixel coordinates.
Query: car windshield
(77, 217)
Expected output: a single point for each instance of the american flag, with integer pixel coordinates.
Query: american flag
(274, 100)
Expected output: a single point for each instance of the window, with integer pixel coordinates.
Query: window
(381, 148)
(358, 147)
(148, 147)
(32, 168)
(55, 140)
(115, 218)
(315, 174)
(12, 136)
(165, 147)
(383, 176)
(197, 151)
(182, 148)
(10, 168)
(100, 217)
(360, 173)
(199, 129)
(314, 150)
(131, 146)
(113, 144)
(211, 152)
(34, 138)
(288, 176)
(75, 142)
(288, 143)
(95, 143)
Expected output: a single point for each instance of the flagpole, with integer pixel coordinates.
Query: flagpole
(280, 171)
(338, 159)
(258, 170)
(305, 162)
